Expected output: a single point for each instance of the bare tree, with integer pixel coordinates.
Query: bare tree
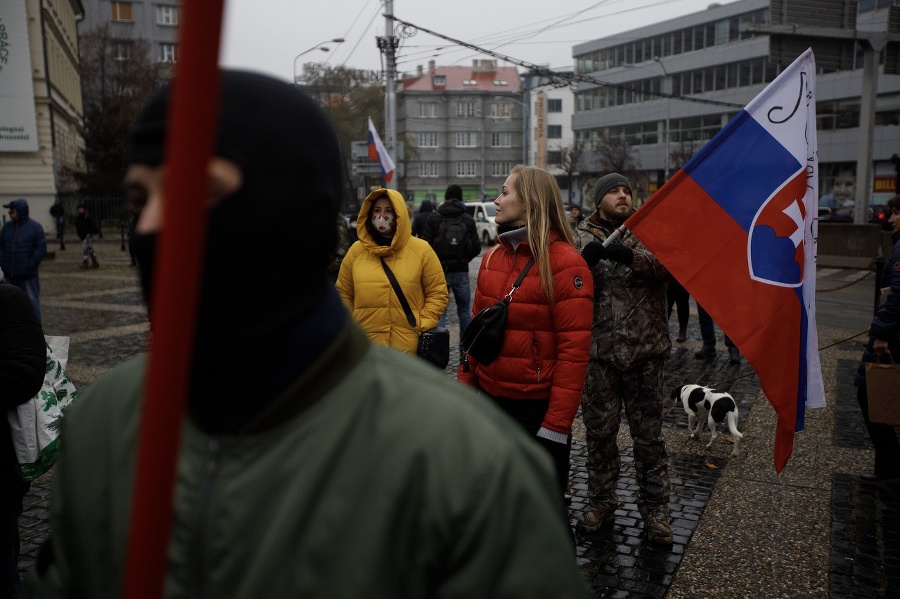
(684, 151)
(615, 156)
(350, 96)
(117, 79)
(570, 160)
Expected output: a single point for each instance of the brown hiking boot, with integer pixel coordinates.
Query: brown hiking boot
(659, 531)
(595, 518)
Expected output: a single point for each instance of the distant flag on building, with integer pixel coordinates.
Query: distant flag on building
(737, 227)
(379, 152)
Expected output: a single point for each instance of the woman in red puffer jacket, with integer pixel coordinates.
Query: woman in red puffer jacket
(538, 376)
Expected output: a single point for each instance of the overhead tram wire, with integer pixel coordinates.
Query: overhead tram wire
(564, 79)
(347, 33)
(362, 36)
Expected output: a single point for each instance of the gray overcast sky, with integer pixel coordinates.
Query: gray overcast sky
(267, 35)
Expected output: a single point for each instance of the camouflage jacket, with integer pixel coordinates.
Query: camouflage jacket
(630, 308)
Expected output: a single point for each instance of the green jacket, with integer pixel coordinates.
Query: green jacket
(373, 475)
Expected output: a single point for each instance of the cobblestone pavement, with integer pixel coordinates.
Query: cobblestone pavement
(739, 529)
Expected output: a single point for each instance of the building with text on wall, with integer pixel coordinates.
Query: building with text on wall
(40, 102)
(550, 141)
(460, 125)
(153, 20)
(712, 64)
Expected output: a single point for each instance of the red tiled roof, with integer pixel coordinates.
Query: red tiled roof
(457, 75)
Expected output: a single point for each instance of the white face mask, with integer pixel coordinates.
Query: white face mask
(382, 223)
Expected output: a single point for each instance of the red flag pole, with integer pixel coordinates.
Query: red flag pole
(193, 117)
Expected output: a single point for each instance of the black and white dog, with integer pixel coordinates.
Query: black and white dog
(705, 403)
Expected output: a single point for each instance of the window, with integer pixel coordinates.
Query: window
(466, 139)
(554, 131)
(554, 105)
(168, 53)
(466, 169)
(428, 109)
(428, 169)
(166, 15)
(500, 169)
(501, 110)
(427, 140)
(122, 49)
(554, 157)
(121, 11)
(465, 109)
(501, 140)
(440, 80)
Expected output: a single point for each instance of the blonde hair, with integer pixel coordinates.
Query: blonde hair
(544, 213)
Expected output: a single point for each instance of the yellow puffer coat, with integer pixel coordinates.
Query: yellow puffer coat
(368, 294)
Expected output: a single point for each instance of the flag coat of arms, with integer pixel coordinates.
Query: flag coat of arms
(736, 226)
(379, 152)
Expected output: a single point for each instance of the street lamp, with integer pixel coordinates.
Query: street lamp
(320, 46)
(668, 110)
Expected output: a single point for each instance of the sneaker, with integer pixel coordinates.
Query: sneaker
(658, 529)
(706, 351)
(734, 355)
(593, 519)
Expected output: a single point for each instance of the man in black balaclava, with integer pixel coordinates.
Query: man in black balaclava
(312, 463)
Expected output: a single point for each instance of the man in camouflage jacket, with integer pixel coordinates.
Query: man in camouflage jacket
(629, 344)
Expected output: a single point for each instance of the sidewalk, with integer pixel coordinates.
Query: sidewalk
(740, 529)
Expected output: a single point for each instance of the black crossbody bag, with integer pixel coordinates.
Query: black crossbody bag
(434, 344)
(484, 335)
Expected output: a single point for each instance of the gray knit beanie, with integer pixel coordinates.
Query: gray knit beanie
(607, 182)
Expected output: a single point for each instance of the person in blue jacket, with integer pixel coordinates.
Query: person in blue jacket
(22, 247)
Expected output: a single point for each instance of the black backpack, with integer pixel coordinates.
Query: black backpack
(452, 243)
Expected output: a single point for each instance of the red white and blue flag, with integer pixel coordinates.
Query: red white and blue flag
(379, 152)
(737, 226)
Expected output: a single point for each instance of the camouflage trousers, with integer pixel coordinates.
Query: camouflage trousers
(639, 389)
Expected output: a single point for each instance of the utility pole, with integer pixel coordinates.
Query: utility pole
(388, 46)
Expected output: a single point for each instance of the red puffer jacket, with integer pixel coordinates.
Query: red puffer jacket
(546, 349)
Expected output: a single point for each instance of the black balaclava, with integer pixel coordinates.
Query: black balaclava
(263, 281)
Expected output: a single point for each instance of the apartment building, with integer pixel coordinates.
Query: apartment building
(153, 20)
(460, 124)
(667, 88)
(40, 102)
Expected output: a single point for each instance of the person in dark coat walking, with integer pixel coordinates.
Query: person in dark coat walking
(22, 247)
(23, 356)
(421, 219)
(86, 227)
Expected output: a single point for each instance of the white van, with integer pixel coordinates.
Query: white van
(483, 213)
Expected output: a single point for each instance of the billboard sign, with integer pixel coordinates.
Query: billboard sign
(18, 126)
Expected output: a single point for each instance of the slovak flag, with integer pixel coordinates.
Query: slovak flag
(737, 226)
(379, 152)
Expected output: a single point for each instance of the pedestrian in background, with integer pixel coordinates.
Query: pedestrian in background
(629, 344)
(59, 218)
(421, 219)
(23, 360)
(22, 247)
(312, 462)
(708, 335)
(86, 227)
(884, 346)
(452, 233)
(677, 296)
(537, 377)
(385, 237)
(575, 216)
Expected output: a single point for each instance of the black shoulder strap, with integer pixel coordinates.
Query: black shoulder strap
(396, 285)
(521, 277)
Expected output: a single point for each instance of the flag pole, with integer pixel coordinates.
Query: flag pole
(614, 236)
(192, 120)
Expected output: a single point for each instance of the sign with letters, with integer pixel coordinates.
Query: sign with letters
(18, 126)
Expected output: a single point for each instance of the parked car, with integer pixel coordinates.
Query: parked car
(879, 211)
(484, 213)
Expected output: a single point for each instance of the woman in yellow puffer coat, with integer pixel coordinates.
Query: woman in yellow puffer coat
(385, 232)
